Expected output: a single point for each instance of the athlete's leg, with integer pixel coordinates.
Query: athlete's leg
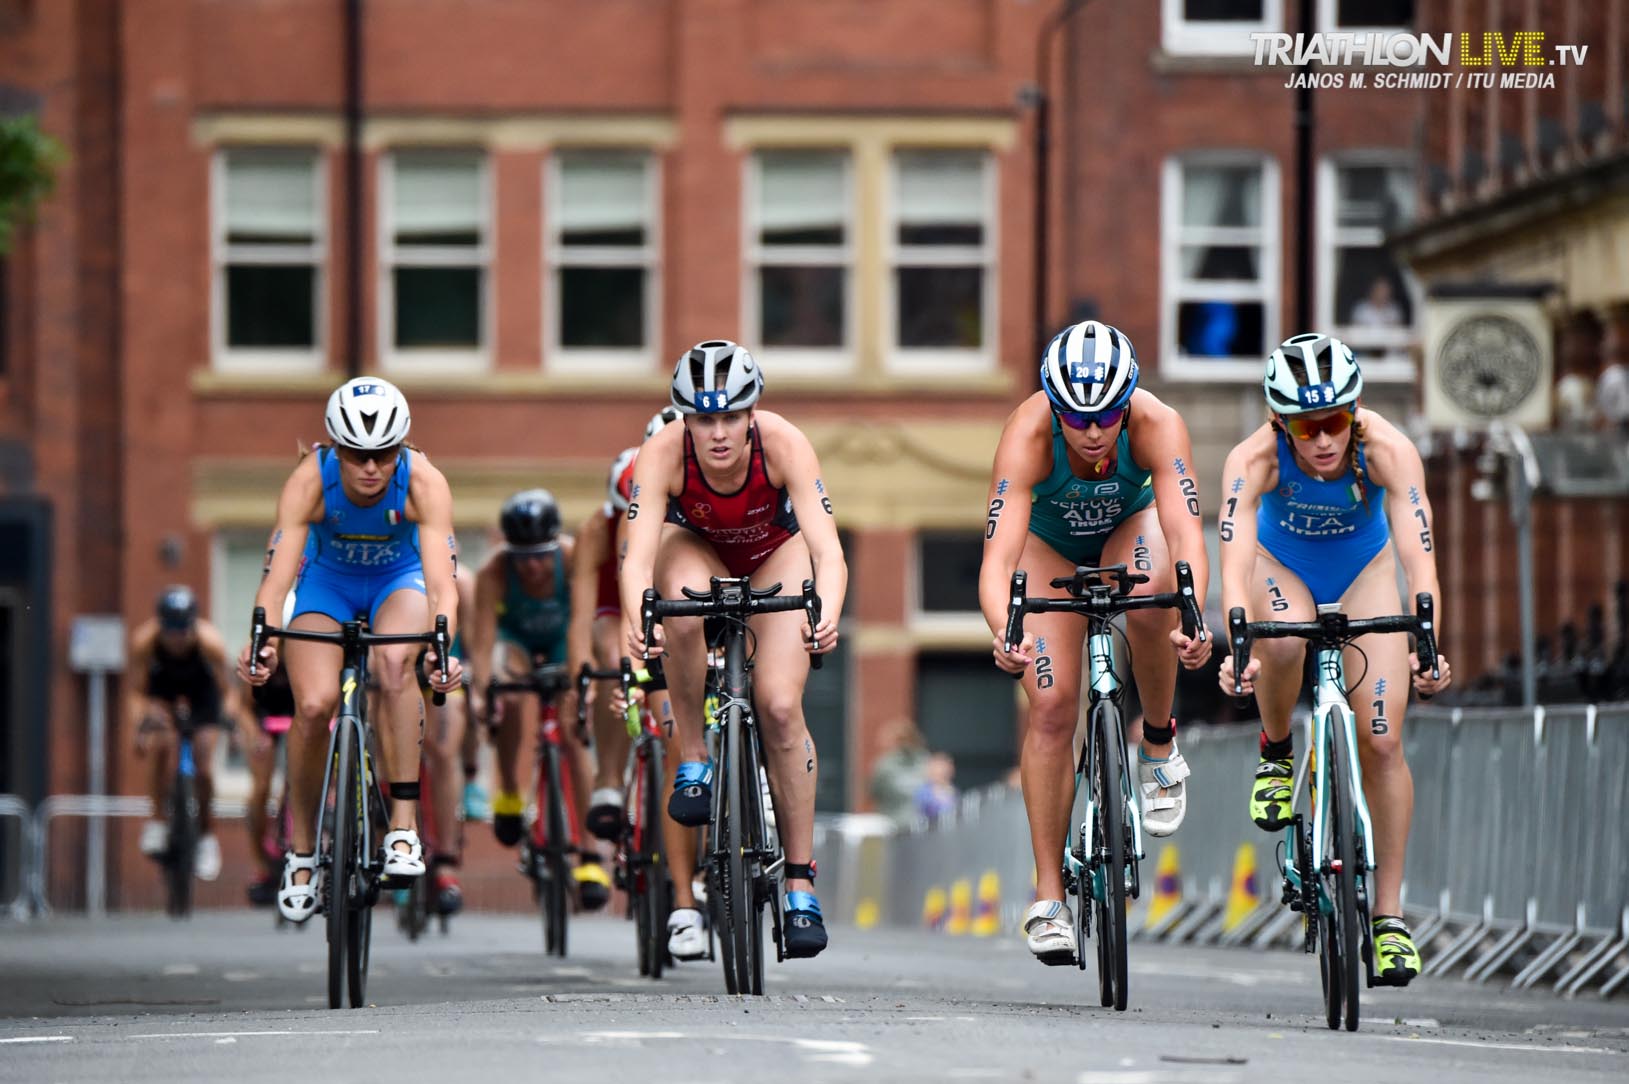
(684, 560)
(1378, 703)
(605, 815)
(260, 754)
(1277, 594)
(203, 759)
(511, 736)
(155, 742)
(1046, 762)
(443, 747)
(313, 675)
(400, 725)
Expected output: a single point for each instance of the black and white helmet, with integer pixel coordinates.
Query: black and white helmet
(1087, 367)
(715, 377)
(659, 420)
(367, 413)
(1311, 372)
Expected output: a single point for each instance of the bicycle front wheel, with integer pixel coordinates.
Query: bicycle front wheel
(181, 861)
(1109, 851)
(338, 886)
(359, 909)
(556, 873)
(1343, 883)
(756, 893)
(652, 877)
(735, 895)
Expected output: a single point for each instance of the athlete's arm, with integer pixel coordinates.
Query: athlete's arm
(1020, 463)
(1394, 462)
(430, 500)
(212, 646)
(136, 700)
(297, 506)
(482, 631)
(593, 549)
(1246, 475)
(1160, 442)
(661, 460)
(799, 467)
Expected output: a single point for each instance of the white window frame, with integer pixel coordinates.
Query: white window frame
(224, 255)
(1175, 365)
(390, 256)
(559, 358)
(1395, 364)
(1185, 37)
(1328, 10)
(799, 360)
(915, 360)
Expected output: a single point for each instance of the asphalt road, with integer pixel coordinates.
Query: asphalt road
(226, 996)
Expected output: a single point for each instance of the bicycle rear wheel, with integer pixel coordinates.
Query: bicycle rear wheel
(338, 886)
(556, 874)
(1343, 826)
(1108, 780)
(180, 862)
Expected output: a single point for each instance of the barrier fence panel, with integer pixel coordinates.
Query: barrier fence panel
(1518, 864)
(16, 858)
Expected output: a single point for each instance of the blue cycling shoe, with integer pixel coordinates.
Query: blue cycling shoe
(692, 800)
(803, 929)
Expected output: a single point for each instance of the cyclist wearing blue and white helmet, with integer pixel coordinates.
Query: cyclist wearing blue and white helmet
(364, 527)
(1309, 503)
(1091, 470)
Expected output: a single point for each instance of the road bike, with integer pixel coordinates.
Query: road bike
(1328, 864)
(1100, 863)
(745, 862)
(351, 814)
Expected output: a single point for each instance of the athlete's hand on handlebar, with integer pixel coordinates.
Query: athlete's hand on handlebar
(263, 671)
(1014, 662)
(824, 638)
(636, 640)
(1224, 676)
(1191, 651)
(1424, 684)
(432, 672)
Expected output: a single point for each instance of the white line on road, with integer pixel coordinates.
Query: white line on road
(180, 969)
(240, 1034)
(40, 1039)
(1533, 1048)
(1161, 1076)
(240, 976)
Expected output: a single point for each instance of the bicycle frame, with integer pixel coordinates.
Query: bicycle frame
(1103, 685)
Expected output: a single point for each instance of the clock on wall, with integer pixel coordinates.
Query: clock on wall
(1489, 364)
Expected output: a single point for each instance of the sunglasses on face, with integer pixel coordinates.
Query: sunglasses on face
(1303, 428)
(1103, 419)
(361, 458)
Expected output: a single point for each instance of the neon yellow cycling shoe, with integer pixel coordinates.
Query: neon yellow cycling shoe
(1397, 960)
(507, 810)
(1270, 794)
(593, 884)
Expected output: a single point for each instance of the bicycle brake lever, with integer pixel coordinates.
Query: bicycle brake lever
(440, 698)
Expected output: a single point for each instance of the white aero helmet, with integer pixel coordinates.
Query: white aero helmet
(367, 413)
(1088, 367)
(1311, 372)
(621, 481)
(659, 420)
(715, 377)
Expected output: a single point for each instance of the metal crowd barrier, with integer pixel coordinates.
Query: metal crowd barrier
(1518, 861)
(91, 806)
(21, 863)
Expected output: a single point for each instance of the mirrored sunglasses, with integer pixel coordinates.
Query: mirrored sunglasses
(1103, 419)
(1303, 428)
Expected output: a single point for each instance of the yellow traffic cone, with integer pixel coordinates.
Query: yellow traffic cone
(1167, 887)
(961, 908)
(987, 918)
(934, 908)
(1244, 895)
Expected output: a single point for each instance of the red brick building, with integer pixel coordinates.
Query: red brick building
(550, 200)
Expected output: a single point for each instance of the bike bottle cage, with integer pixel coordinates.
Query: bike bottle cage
(405, 792)
(795, 872)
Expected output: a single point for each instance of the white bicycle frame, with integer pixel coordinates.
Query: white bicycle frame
(1103, 685)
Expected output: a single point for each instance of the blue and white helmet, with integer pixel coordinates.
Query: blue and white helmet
(1311, 372)
(1089, 366)
(367, 413)
(715, 377)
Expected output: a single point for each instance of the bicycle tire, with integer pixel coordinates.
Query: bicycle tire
(1344, 828)
(183, 846)
(655, 883)
(359, 936)
(556, 873)
(635, 866)
(755, 893)
(1109, 848)
(733, 892)
(341, 858)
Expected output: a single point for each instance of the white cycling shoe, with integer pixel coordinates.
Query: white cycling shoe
(1049, 929)
(1163, 812)
(206, 860)
(408, 863)
(686, 936)
(297, 902)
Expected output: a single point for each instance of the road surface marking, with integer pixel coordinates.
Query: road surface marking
(40, 1039)
(1533, 1048)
